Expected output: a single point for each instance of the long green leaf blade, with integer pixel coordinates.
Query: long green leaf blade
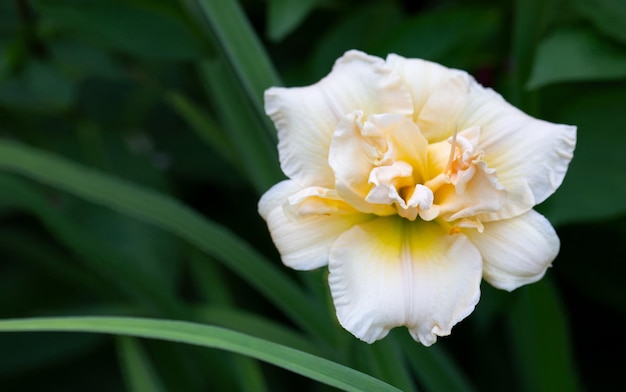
(203, 125)
(572, 55)
(226, 21)
(305, 364)
(174, 217)
(137, 368)
(541, 340)
(434, 368)
(244, 128)
(94, 253)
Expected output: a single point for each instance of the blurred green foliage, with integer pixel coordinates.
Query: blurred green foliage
(134, 149)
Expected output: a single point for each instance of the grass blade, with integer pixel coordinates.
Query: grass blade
(305, 364)
(251, 324)
(245, 130)
(435, 370)
(204, 126)
(392, 364)
(541, 340)
(226, 21)
(136, 366)
(173, 217)
(108, 264)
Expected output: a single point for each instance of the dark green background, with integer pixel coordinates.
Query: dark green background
(143, 90)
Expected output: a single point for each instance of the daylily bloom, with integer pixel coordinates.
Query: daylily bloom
(412, 182)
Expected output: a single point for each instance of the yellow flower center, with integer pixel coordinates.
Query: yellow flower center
(383, 165)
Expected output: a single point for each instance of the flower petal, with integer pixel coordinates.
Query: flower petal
(390, 272)
(276, 196)
(480, 195)
(516, 251)
(474, 190)
(438, 93)
(362, 148)
(304, 243)
(306, 117)
(530, 156)
(356, 146)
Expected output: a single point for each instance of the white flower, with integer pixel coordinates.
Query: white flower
(411, 181)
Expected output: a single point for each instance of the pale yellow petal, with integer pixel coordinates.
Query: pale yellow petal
(438, 93)
(481, 195)
(304, 242)
(356, 147)
(516, 251)
(306, 117)
(276, 196)
(530, 156)
(390, 272)
(374, 157)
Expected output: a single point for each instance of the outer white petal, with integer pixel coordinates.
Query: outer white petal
(438, 93)
(530, 156)
(306, 117)
(276, 196)
(390, 272)
(305, 243)
(516, 251)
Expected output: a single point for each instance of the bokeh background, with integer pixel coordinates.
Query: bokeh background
(166, 96)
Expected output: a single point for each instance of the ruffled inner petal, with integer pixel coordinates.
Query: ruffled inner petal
(387, 180)
(356, 149)
(366, 157)
(466, 186)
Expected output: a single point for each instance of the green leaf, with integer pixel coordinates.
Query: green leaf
(214, 289)
(463, 34)
(138, 371)
(604, 283)
(234, 81)
(151, 251)
(226, 22)
(284, 16)
(392, 364)
(38, 87)
(208, 280)
(359, 29)
(245, 132)
(81, 60)
(204, 126)
(594, 188)
(316, 368)
(30, 352)
(46, 258)
(254, 325)
(531, 19)
(608, 16)
(173, 217)
(434, 368)
(570, 55)
(541, 340)
(142, 31)
(249, 374)
(97, 254)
